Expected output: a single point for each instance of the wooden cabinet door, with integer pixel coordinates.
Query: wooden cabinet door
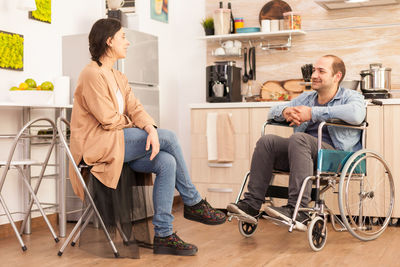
(201, 170)
(391, 140)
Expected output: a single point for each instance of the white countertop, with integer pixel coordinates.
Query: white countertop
(265, 104)
(18, 105)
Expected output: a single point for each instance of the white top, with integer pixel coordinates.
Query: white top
(120, 101)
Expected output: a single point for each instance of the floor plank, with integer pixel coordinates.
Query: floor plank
(219, 245)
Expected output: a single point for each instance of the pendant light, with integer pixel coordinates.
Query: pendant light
(26, 5)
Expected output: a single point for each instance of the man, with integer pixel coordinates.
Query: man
(298, 153)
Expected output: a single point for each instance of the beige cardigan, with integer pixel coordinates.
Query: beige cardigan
(97, 126)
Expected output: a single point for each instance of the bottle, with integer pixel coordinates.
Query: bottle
(232, 28)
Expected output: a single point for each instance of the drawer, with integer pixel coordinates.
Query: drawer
(202, 172)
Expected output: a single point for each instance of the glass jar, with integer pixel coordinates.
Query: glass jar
(292, 21)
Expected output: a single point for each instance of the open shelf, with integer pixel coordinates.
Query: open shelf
(253, 35)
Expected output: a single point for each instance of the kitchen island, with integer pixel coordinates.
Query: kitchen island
(220, 183)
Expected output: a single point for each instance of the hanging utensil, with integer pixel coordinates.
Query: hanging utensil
(250, 63)
(253, 61)
(245, 76)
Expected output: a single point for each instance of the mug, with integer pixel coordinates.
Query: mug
(114, 4)
(265, 25)
(227, 44)
(219, 51)
(274, 25)
(218, 89)
(237, 43)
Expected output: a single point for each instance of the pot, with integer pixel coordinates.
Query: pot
(376, 78)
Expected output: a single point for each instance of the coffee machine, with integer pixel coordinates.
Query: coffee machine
(223, 82)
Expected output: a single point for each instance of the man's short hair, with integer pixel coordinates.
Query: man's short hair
(337, 65)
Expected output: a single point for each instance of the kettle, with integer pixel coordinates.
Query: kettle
(376, 78)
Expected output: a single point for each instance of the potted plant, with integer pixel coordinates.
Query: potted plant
(208, 25)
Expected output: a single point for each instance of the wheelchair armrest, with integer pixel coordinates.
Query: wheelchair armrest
(341, 123)
(278, 123)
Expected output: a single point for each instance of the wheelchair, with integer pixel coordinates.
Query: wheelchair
(362, 180)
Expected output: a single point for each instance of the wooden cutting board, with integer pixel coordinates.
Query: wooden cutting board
(274, 10)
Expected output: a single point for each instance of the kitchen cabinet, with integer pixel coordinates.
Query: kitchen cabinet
(221, 185)
(391, 140)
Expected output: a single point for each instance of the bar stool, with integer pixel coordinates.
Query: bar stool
(22, 166)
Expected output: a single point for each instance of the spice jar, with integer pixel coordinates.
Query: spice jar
(292, 20)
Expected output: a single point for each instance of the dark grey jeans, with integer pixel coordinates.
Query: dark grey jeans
(297, 154)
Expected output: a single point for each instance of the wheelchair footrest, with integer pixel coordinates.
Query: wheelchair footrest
(276, 191)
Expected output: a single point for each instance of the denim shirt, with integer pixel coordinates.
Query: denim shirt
(347, 105)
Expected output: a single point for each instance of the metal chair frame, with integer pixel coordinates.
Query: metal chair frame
(91, 208)
(22, 166)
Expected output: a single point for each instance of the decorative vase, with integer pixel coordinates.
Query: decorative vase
(209, 31)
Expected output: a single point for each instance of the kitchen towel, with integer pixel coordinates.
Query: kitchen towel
(61, 91)
(211, 133)
(225, 138)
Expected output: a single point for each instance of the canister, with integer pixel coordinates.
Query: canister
(239, 23)
(292, 21)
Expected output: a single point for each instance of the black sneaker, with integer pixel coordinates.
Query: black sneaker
(173, 245)
(286, 213)
(204, 213)
(243, 211)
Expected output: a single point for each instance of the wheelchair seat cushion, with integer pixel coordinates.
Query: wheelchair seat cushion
(334, 161)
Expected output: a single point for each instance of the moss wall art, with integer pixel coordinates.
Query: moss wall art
(11, 51)
(42, 12)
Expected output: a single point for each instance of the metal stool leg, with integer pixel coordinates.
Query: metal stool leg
(66, 242)
(78, 235)
(3, 203)
(53, 233)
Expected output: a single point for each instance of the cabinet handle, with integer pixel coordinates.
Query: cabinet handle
(220, 165)
(220, 190)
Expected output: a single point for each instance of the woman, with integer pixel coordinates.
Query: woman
(109, 127)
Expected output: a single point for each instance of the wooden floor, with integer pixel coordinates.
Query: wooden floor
(220, 245)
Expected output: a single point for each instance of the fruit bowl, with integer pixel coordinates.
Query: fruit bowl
(32, 97)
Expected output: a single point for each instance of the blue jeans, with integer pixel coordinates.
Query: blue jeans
(171, 172)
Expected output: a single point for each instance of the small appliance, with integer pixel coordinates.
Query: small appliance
(223, 82)
(376, 81)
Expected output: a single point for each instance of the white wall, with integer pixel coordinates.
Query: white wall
(182, 63)
(42, 61)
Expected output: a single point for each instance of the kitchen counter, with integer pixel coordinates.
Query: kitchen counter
(266, 104)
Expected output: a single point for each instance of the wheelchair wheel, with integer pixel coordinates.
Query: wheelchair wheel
(316, 234)
(366, 192)
(247, 229)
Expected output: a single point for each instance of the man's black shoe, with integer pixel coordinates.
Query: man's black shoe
(173, 245)
(243, 211)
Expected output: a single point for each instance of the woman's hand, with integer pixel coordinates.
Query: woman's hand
(152, 139)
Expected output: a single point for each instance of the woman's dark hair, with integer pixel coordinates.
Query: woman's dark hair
(100, 32)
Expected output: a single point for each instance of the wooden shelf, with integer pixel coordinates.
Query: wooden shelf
(253, 35)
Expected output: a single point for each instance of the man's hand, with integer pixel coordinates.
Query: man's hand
(297, 115)
(152, 139)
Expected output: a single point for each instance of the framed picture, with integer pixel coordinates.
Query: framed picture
(159, 10)
(11, 51)
(42, 12)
